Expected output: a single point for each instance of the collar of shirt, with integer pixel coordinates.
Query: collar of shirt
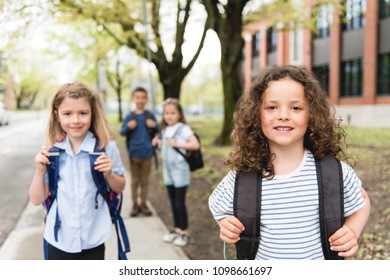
(88, 144)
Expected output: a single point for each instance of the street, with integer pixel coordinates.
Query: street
(19, 142)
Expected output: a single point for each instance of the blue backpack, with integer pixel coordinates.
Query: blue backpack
(113, 199)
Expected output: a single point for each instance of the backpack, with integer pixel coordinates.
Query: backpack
(247, 206)
(194, 158)
(151, 131)
(113, 199)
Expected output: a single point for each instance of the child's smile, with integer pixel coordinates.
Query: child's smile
(74, 116)
(284, 113)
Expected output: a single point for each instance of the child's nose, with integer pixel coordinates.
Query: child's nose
(284, 114)
(75, 118)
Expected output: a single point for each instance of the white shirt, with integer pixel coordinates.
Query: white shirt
(82, 226)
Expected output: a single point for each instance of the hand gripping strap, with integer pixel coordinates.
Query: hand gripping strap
(53, 171)
(247, 207)
(331, 202)
(53, 174)
(113, 201)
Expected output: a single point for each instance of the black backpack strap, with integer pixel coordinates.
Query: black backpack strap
(331, 201)
(247, 208)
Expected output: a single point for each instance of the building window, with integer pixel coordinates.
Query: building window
(256, 44)
(355, 11)
(352, 78)
(322, 74)
(384, 8)
(271, 40)
(383, 76)
(324, 18)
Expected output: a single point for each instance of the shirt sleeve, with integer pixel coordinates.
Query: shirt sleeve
(124, 128)
(221, 199)
(186, 132)
(113, 152)
(353, 199)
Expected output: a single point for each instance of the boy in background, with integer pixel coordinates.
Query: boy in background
(139, 127)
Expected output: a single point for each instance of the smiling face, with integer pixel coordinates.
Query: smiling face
(171, 114)
(74, 115)
(140, 99)
(284, 114)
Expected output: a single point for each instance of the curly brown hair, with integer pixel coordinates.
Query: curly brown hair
(250, 148)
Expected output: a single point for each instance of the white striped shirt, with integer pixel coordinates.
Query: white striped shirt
(290, 226)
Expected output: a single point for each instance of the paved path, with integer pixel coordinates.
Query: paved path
(145, 234)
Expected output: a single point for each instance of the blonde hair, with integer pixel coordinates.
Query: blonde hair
(250, 149)
(99, 126)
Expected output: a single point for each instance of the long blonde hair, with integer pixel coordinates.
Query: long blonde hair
(99, 126)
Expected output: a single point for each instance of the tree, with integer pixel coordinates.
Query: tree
(227, 20)
(116, 77)
(123, 21)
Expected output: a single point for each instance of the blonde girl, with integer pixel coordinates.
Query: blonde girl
(76, 123)
(281, 125)
(176, 173)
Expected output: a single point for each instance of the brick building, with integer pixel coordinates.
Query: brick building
(350, 53)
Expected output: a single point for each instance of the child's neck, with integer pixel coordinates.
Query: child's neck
(287, 160)
(172, 125)
(76, 144)
(139, 110)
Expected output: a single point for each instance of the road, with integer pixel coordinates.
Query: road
(19, 142)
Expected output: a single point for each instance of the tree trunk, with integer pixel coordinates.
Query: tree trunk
(171, 80)
(119, 96)
(229, 33)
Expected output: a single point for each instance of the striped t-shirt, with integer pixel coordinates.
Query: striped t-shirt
(290, 226)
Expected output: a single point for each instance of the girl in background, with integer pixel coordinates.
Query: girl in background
(176, 172)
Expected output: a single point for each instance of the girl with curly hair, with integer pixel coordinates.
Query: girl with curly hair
(281, 125)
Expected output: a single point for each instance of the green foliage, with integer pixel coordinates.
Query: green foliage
(287, 15)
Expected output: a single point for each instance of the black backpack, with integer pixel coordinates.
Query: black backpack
(194, 158)
(247, 207)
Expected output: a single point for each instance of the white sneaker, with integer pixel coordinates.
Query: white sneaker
(170, 237)
(181, 240)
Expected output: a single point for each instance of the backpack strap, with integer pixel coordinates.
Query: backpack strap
(98, 177)
(247, 208)
(113, 201)
(178, 131)
(53, 174)
(331, 202)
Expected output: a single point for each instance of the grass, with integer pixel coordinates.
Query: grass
(369, 146)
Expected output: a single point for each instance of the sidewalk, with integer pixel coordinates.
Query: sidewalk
(145, 235)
